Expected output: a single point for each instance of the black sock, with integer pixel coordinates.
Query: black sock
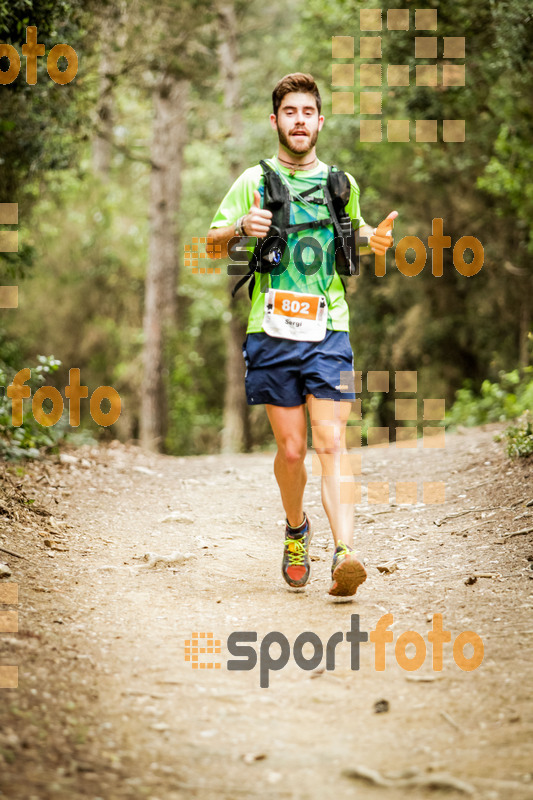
(295, 533)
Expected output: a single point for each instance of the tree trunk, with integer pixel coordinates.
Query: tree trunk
(168, 141)
(103, 138)
(525, 327)
(235, 433)
(112, 36)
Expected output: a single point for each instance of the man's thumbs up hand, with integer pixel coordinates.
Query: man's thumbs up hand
(258, 220)
(381, 239)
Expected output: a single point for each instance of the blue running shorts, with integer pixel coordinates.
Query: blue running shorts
(282, 372)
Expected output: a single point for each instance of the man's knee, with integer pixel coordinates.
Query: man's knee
(328, 439)
(292, 451)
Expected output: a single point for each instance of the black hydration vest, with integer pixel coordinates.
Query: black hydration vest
(269, 251)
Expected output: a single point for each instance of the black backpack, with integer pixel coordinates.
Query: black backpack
(268, 252)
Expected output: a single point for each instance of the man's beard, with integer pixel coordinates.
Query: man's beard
(309, 143)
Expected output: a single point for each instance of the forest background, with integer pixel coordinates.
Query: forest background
(115, 172)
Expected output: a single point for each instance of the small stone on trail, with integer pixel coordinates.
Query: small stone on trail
(144, 470)
(388, 568)
(176, 516)
(176, 557)
(66, 458)
(381, 706)
(249, 758)
(202, 544)
(316, 673)
(5, 572)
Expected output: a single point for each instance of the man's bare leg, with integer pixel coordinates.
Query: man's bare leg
(328, 421)
(289, 426)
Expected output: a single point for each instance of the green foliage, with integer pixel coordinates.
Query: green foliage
(520, 437)
(505, 399)
(84, 247)
(196, 381)
(41, 125)
(30, 438)
(92, 253)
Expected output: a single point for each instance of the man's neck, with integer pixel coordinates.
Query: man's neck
(297, 161)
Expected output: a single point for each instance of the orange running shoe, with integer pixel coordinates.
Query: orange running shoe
(347, 572)
(296, 567)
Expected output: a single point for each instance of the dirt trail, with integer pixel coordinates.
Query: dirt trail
(107, 707)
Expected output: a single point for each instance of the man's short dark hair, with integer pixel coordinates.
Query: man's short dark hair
(295, 82)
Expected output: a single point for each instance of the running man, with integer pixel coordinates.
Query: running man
(297, 349)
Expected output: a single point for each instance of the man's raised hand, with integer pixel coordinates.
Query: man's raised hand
(257, 221)
(381, 240)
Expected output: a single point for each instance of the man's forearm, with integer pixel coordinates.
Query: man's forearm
(219, 238)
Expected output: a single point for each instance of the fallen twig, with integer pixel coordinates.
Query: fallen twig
(453, 723)
(518, 502)
(477, 485)
(473, 526)
(487, 574)
(11, 553)
(439, 522)
(436, 780)
(516, 533)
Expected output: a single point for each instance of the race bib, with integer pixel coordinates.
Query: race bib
(292, 315)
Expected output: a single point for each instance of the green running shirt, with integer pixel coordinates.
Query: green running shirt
(325, 280)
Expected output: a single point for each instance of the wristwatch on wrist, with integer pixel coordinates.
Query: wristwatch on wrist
(239, 230)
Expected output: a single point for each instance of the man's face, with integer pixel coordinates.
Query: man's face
(297, 123)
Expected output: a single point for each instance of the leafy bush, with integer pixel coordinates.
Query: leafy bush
(507, 398)
(520, 437)
(28, 439)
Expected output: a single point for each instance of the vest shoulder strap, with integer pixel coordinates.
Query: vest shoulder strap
(339, 188)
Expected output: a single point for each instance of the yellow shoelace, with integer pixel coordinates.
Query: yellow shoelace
(296, 548)
(345, 550)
